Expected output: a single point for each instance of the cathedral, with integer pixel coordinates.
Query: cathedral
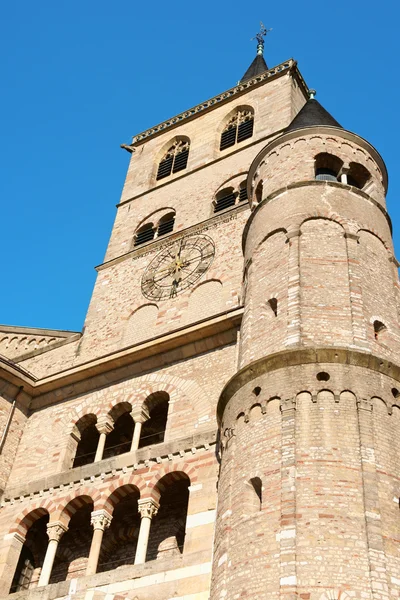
(226, 425)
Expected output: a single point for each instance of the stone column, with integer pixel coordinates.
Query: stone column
(103, 427)
(293, 307)
(355, 287)
(148, 509)
(100, 519)
(55, 531)
(288, 575)
(139, 416)
(378, 574)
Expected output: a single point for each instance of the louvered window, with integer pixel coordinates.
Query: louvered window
(224, 201)
(166, 225)
(145, 234)
(175, 159)
(243, 193)
(239, 128)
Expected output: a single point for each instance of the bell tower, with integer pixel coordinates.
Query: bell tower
(309, 481)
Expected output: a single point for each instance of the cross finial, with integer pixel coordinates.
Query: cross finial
(260, 38)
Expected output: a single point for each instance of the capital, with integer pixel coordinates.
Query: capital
(100, 519)
(148, 508)
(56, 530)
(105, 425)
(364, 404)
(140, 415)
(288, 404)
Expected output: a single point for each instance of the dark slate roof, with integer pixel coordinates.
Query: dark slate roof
(257, 67)
(312, 114)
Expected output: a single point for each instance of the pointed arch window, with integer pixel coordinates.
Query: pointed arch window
(174, 160)
(238, 128)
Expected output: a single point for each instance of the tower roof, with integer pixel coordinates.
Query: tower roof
(312, 114)
(257, 67)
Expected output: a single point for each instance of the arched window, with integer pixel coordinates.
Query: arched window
(224, 199)
(379, 329)
(358, 175)
(89, 438)
(166, 224)
(327, 167)
(119, 543)
(174, 160)
(74, 546)
(144, 234)
(167, 534)
(153, 430)
(252, 496)
(238, 128)
(32, 555)
(119, 440)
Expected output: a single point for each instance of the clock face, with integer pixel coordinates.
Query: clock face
(177, 267)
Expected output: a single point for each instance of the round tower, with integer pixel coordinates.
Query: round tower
(310, 479)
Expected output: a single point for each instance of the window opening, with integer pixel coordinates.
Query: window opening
(225, 199)
(379, 328)
(119, 440)
(358, 175)
(395, 393)
(87, 445)
(239, 128)
(257, 391)
(174, 160)
(32, 556)
(322, 376)
(327, 167)
(273, 304)
(144, 234)
(167, 534)
(153, 430)
(166, 224)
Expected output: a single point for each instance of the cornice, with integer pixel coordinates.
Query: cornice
(311, 183)
(304, 356)
(129, 462)
(279, 70)
(83, 376)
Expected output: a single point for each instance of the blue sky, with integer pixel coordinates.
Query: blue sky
(79, 78)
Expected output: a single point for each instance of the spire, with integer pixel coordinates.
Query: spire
(258, 65)
(312, 114)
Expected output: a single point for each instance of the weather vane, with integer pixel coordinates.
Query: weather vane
(260, 38)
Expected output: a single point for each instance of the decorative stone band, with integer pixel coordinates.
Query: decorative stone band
(304, 356)
(148, 508)
(56, 530)
(242, 87)
(100, 519)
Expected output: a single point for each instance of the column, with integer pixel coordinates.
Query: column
(55, 531)
(379, 577)
(293, 308)
(148, 509)
(355, 285)
(101, 520)
(139, 416)
(103, 427)
(288, 575)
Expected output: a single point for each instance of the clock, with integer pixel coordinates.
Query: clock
(177, 267)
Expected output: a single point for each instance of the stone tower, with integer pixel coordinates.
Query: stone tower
(226, 425)
(308, 494)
